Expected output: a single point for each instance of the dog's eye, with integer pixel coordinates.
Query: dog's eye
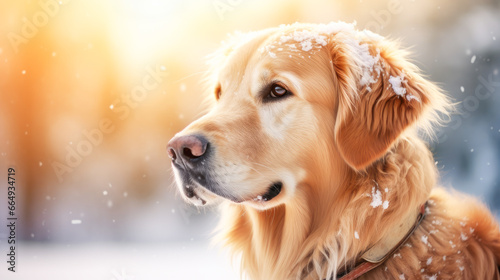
(278, 91)
(274, 92)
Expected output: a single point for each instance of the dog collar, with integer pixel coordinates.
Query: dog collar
(381, 251)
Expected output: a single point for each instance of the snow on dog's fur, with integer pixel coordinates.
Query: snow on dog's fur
(328, 117)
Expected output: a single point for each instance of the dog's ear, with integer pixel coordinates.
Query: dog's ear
(380, 94)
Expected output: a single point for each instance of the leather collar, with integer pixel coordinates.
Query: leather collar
(381, 251)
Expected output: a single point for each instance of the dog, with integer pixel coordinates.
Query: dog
(313, 151)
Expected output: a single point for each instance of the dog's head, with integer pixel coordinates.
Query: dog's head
(293, 102)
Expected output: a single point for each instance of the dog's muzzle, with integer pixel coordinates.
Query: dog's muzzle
(191, 161)
(189, 154)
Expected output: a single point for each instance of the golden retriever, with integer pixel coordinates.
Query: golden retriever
(312, 151)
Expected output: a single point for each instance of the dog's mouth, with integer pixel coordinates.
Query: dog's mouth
(273, 191)
(200, 189)
(194, 197)
(198, 195)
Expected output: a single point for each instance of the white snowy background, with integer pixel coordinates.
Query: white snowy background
(115, 214)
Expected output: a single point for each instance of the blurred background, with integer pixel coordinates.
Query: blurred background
(91, 91)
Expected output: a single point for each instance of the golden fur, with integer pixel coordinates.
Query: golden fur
(337, 143)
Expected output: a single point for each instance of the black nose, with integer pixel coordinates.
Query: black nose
(188, 148)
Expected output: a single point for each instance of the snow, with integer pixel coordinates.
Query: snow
(433, 277)
(376, 198)
(318, 36)
(396, 85)
(111, 106)
(76, 222)
(305, 38)
(473, 59)
(410, 97)
(462, 89)
(356, 235)
(429, 261)
(402, 277)
(306, 45)
(369, 63)
(385, 205)
(437, 222)
(424, 239)
(122, 261)
(463, 236)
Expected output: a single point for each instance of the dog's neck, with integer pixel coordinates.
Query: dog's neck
(320, 232)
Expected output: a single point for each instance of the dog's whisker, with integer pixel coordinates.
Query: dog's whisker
(263, 176)
(263, 165)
